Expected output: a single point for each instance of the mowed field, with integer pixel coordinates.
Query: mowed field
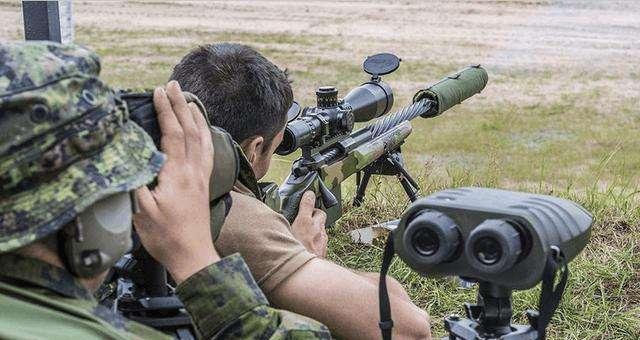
(560, 114)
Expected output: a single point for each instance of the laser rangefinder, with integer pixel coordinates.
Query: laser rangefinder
(497, 236)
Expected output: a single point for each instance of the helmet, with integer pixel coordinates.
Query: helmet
(66, 144)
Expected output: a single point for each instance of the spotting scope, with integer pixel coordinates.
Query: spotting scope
(498, 236)
(504, 241)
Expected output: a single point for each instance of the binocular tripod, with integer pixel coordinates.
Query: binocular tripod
(490, 318)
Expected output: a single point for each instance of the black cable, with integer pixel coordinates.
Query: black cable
(550, 296)
(386, 323)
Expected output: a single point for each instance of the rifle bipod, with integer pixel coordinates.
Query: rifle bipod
(391, 165)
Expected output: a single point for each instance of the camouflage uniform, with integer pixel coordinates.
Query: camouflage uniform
(66, 142)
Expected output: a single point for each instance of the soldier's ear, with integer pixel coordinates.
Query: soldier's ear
(252, 148)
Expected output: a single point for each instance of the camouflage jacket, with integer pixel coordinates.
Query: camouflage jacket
(38, 300)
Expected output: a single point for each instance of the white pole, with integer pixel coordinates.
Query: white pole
(48, 20)
(67, 32)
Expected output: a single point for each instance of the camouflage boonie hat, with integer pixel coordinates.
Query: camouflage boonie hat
(66, 140)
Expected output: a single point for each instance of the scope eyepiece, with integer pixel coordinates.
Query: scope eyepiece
(433, 236)
(494, 246)
(299, 132)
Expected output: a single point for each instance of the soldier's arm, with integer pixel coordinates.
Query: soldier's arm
(309, 292)
(225, 302)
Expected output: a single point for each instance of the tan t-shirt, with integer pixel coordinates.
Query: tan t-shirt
(263, 238)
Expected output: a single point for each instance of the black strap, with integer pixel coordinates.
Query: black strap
(386, 323)
(550, 296)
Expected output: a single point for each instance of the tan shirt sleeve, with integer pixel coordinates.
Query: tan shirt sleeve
(264, 239)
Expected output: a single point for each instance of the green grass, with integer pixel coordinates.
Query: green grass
(566, 143)
(556, 130)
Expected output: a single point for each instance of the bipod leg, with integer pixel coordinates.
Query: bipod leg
(408, 183)
(362, 188)
(409, 189)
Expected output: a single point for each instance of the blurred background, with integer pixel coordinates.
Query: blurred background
(560, 114)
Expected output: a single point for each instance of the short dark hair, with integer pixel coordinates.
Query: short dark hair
(243, 92)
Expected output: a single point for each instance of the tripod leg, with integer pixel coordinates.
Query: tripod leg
(400, 168)
(409, 178)
(362, 187)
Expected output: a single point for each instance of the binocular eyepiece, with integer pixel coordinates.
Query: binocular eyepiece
(493, 247)
(497, 236)
(226, 158)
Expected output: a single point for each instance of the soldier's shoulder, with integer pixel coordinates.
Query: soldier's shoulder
(22, 319)
(248, 215)
(29, 314)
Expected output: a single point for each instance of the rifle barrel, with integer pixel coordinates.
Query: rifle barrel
(410, 112)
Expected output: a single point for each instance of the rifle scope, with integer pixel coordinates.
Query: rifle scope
(332, 118)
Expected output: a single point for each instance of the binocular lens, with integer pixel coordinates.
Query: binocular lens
(433, 236)
(426, 242)
(487, 250)
(494, 246)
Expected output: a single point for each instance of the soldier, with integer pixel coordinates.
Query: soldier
(249, 97)
(70, 163)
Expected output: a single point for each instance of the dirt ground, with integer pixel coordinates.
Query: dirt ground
(536, 52)
(557, 36)
(530, 33)
(581, 36)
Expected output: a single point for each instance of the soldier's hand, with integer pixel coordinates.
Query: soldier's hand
(173, 222)
(309, 226)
